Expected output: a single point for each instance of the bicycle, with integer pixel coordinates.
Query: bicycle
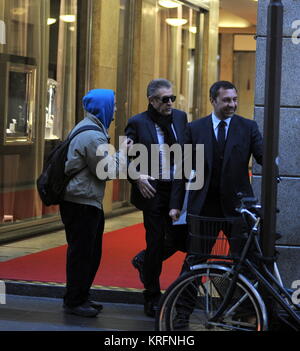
(225, 294)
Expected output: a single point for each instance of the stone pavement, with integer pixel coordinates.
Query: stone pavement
(27, 313)
(35, 306)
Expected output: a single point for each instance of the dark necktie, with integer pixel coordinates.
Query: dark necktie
(221, 136)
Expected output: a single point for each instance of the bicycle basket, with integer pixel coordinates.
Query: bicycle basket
(215, 238)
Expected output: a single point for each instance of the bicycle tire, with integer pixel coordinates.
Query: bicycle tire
(196, 296)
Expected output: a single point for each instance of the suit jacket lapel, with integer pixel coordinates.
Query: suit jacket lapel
(231, 138)
(177, 129)
(208, 141)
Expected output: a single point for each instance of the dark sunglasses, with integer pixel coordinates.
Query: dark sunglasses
(166, 99)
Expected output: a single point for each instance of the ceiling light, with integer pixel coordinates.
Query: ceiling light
(51, 21)
(169, 4)
(229, 20)
(176, 22)
(236, 24)
(68, 18)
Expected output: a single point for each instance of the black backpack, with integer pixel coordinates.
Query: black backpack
(53, 181)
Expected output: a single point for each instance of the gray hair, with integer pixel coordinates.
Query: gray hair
(156, 84)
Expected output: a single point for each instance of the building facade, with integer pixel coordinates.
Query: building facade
(53, 51)
(288, 202)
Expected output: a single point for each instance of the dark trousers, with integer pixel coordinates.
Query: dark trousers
(84, 227)
(158, 226)
(211, 208)
(187, 300)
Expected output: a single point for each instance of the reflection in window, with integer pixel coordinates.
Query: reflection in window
(61, 83)
(38, 89)
(51, 127)
(177, 31)
(20, 102)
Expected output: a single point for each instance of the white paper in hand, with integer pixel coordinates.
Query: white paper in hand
(182, 218)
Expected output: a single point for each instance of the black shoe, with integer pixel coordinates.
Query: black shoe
(84, 310)
(181, 320)
(96, 305)
(138, 262)
(150, 308)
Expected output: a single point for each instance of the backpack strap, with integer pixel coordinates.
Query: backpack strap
(78, 131)
(83, 129)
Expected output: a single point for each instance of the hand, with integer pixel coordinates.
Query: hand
(174, 214)
(145, 187)
(126, 144)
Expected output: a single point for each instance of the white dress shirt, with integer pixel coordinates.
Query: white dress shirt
(164, 172)
(216, 121)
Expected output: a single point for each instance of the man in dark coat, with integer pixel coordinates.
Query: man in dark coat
(229, 141)
(160, 126)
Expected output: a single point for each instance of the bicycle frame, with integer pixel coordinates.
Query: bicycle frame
(268, 281)
(228, 269)
(265, 279)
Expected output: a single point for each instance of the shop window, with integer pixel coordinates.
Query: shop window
(61, 81)
(19, 110)
(167, 43)
(37, 100)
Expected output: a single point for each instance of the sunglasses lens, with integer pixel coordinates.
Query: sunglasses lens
(166, 99)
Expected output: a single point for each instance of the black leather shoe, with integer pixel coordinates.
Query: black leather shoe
(150, 308)
(138, 262)
(97, 305)
(84, 310)
(181, 320)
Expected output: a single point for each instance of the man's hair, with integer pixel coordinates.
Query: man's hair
(214, 89)
(156, 84)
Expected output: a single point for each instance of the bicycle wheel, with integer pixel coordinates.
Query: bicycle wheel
(193, 299)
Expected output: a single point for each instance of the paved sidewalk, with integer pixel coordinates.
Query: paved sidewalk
(24, 313)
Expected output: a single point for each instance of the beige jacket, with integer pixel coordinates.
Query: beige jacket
(88, 186)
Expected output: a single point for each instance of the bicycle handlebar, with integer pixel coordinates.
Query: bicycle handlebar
(249, 206)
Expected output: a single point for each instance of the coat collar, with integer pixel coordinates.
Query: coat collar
(177, 126)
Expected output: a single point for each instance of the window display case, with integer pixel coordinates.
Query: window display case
(18, 99)
(51, 125)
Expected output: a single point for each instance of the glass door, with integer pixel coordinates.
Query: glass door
(121, 188)
(179, 52)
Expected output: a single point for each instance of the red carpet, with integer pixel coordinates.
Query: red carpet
(116, 270)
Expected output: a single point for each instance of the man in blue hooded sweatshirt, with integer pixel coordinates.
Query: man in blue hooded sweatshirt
(81, 211)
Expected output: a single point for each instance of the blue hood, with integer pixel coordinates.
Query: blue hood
(100, 103)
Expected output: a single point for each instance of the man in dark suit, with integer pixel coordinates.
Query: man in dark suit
(160, 125)
(229, 141)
